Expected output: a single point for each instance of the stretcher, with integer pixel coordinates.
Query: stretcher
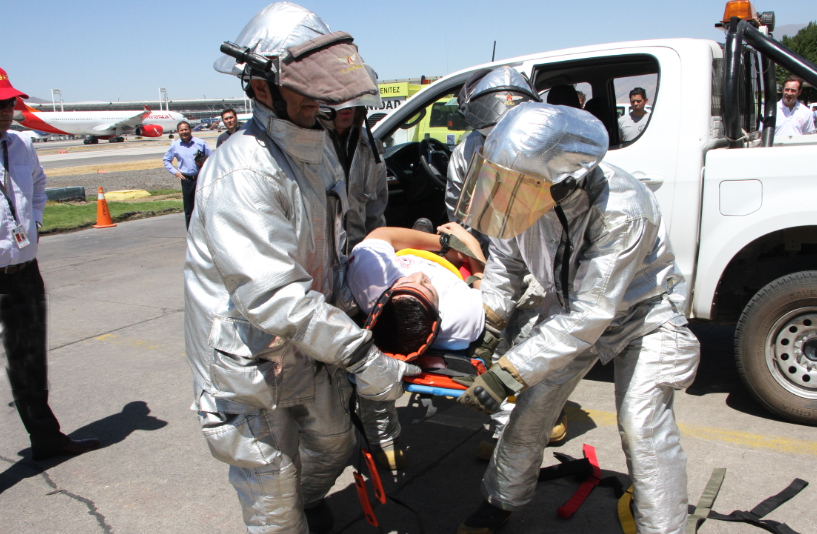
(439, 370)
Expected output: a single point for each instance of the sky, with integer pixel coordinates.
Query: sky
(109, 51)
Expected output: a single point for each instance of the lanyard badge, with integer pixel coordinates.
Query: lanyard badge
(18, 233)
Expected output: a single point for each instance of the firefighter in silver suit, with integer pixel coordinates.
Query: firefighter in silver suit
(266, 333)
(593, 236)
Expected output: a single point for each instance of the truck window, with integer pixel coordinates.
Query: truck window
(604, 78)
(440, 120)
(631, 125)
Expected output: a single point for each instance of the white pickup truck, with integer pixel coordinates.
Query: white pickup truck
(739, 207)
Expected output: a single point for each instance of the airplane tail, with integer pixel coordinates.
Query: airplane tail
(21, 106)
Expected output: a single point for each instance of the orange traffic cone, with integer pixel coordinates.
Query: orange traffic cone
(103, 216)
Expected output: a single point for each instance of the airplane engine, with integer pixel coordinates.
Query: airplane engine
(149, 130)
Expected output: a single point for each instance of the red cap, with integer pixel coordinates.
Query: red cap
(6, 89)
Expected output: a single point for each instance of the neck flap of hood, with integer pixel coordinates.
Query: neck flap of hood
(303, 144)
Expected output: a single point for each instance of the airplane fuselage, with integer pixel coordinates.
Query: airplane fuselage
(100, 124)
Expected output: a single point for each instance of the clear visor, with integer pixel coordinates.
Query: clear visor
(501, 202)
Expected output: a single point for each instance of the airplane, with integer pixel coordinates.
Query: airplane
(97, 124)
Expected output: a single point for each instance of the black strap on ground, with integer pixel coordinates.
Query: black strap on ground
(756, 514)
(581, 469)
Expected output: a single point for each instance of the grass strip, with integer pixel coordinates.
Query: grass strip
(159, 192)
(64, 217)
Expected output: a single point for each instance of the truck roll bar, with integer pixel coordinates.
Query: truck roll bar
(771, 52)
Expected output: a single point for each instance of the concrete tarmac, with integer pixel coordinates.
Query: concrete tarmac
(118, 373)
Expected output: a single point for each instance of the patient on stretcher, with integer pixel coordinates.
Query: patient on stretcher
(397, 258)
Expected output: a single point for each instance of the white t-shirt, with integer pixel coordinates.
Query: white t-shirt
(374, 267)
(797, 121)
(631, 127)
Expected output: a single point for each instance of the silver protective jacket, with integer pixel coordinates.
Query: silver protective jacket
(458, 168)
(367, 189)
(622, 284)
(261, 273)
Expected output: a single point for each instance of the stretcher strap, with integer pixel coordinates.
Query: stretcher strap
(570, 507)
(374, 476)
(755, 516)
(704, 508)
(625, 512)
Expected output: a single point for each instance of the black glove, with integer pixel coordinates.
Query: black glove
(486, 392)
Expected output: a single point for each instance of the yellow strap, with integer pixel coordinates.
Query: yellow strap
(625, 513)
(430, 256)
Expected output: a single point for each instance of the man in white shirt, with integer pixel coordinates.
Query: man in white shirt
(381, 262)
(630, 125)
(375, 266)
(22, 293)
(793, 117)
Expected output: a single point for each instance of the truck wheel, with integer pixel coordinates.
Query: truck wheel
(776, 347)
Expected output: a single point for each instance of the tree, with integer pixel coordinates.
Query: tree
(804, 44)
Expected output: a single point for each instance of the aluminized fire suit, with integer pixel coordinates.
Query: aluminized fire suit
(626, 305)
(368, 195)
(268, 351)
(367, 189)
(458, 167)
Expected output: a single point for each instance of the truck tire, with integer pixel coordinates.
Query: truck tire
(776, 347)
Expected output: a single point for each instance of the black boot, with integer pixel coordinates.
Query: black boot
(486, 520)
(319, 518)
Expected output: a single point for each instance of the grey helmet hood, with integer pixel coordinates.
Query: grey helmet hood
(494, 94)
(301, 55)
(547, 142)
(272, 31)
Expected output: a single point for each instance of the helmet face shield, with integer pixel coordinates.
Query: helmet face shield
(501, 202)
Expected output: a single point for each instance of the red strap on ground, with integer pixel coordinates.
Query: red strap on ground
(363, 497)
(379, 492)
(570, 507)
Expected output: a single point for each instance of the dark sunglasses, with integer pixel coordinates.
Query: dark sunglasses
(8, 103)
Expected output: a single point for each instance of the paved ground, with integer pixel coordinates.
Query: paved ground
(118, 372)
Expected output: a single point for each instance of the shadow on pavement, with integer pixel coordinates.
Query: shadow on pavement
(442, 481)
(108, 430)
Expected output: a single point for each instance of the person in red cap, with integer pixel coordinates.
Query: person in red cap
(22, 294)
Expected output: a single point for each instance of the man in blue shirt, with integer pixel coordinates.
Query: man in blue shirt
(190, 153)
(22, 293)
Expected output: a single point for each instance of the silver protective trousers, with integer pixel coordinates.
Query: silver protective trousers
(380, 422)
(281, 460)
(647, 373)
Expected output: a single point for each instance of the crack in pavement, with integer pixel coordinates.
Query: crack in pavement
(92, 509)
(169, 312)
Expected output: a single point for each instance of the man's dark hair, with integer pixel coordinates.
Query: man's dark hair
(228, 110)
(403, 326)
(639, 91)
(180, 125)
(793, 78)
